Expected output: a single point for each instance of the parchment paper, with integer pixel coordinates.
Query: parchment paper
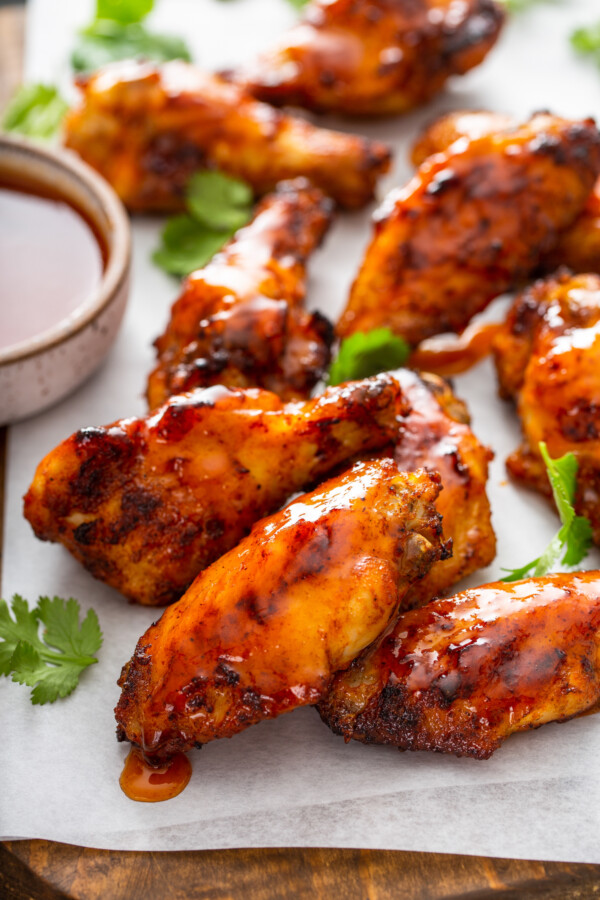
(289, 782)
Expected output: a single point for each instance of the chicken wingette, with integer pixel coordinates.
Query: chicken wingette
(436, 436)
(374, 57)
(145, 504)
(474, 221)
(548, 362)
(147, 128)
(578, 247)
(240, 320)
(462, 674)
(265, 628)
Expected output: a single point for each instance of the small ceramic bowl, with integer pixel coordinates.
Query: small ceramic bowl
(41, 370)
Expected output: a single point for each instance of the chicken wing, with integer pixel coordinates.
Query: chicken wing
(548, 361)
(436, 436)
(146, 504)
(372, 57)
(147, 128)
(460, 675)
(240, 321)
(263, 630)
(578, 247)
(474, 221)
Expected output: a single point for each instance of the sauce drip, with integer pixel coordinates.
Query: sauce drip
(452, 354)
(150, 784)
(50, 262)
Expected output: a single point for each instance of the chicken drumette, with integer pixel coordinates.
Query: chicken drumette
(473, 222)
(462, 674)
(372, 57)
(147, 128)
(145, 504)
(240, 320)
(579, 246)
(264, 629)
(548, 361)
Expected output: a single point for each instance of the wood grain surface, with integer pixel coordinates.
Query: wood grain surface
(43, 870)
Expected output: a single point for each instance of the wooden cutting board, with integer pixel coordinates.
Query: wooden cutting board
(43, 870)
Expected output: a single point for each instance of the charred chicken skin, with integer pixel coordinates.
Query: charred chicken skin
(145, 504)
(147, 128)
(462, 674)
(436, 436)
(578, 247)
(239, 320)
(548, 362)
(473, 222)
(264, 629)
(372, 57)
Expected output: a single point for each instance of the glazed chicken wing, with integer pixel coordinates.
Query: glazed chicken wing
(436, 436)
(147, 128)
(372, 57)
(239, 320)
(578, 247)
(263, 630)
(460, 675)
(474, 221)
(146, 504)
(548, 361)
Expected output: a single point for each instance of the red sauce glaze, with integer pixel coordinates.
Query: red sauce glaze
(151, 784)
(452, 354)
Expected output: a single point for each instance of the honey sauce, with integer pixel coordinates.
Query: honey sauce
(152, 784)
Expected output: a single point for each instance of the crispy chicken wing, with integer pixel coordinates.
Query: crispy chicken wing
(436, 436)
(147, 128)
(474, 221)
(548, 361)
(146, 504)
(579, 246)
(263, 630)
(372, 57)
(460, 675)
(239, 320)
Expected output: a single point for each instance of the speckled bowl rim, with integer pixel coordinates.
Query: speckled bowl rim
(115, 232)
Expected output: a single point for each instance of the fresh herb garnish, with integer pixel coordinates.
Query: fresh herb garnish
(367, 353)
(36, 110)
(572, 542)
(586, 41)
(515, 6)
(218, 205)
(53, 663)
(299, 4)
(117, 33)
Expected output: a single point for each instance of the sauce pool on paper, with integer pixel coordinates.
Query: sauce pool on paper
(151, 784)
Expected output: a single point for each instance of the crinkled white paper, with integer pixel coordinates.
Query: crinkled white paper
(290, 782)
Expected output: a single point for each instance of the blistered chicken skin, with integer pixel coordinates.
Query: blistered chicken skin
(264, 629)
(473, 222)
(372, 57)
(147, 128)
(548, 362)
(147, 503)
(461, 675)
(240, 320)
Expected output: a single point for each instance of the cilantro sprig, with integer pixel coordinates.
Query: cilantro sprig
(217, 206)
(36, 111)
(570, 545)
(52, 663)
(367, 353)
(586, 41)
(117, 33)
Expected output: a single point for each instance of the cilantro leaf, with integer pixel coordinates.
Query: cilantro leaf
(219, 201)
(298, 4)
(36, 110)
(367, 353)
(105, 41)
(123, 11)
(51, 664)
(570, 545)
(515, 6)
(187, 245)
(586, 41)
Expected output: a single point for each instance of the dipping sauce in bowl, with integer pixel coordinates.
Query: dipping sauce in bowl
(64, 274)
(51, 261)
